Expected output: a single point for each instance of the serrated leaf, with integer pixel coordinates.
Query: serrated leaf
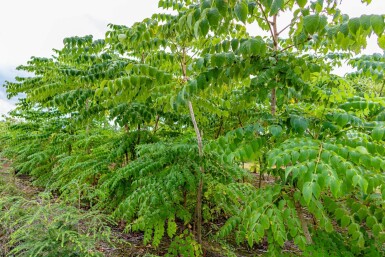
(241, 11)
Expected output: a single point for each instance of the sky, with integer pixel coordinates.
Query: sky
(33, 28)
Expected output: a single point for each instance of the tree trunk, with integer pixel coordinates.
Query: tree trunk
(198, 209)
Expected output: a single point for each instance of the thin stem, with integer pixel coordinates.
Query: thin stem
(198, 210)
(267, 20)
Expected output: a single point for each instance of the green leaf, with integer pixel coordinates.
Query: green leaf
(378, 133)
(345, 221)
(299, 124)
(234, 44)
(276, 7)
(365, 21)
(354, 25)
(381, 41)
(334, 186)
(378, 24)
(310, 23)
(288, 170)
(307, 192)
(370, 221)
(213, 17)
(222, 6)
(204, 27)
(241, 10)
(275, 130)
(343, 119)
(171, 228)
(265, 222)
(316, 190)
(328, 226)
(301, 3)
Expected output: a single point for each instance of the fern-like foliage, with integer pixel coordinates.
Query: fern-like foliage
(158, 188)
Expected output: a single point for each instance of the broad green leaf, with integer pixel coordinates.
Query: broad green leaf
(275, 130)
(343, 119)
(354, 25)
(316, 190)
(365, 22)
(370, 221)
(264, 220)
(204, 27)
(378, 133)
(378, 24)
(276, 7)
(234, 44)
(381, 41)
(345, 221)
(307, 192)
(222, 6)
(329, 226)
(299, 124)
(310, 23)
(301, 3)
(241, 10)
(213, 17)
(334, 186)
(361, 149)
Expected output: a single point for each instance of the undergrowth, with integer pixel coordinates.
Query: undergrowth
(43, 226)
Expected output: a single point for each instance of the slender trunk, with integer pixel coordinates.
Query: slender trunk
(200, 186)
(88, 150)
(156, 123)
(198, 209)
(304, 224)
(138, 142)
(127, 158)
(275, 40)
(220, 128)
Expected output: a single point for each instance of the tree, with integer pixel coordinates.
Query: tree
(271, 101)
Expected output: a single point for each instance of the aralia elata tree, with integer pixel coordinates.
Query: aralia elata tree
(269, 100)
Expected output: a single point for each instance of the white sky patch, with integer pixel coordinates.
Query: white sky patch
(34, 27)
(5, 107)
